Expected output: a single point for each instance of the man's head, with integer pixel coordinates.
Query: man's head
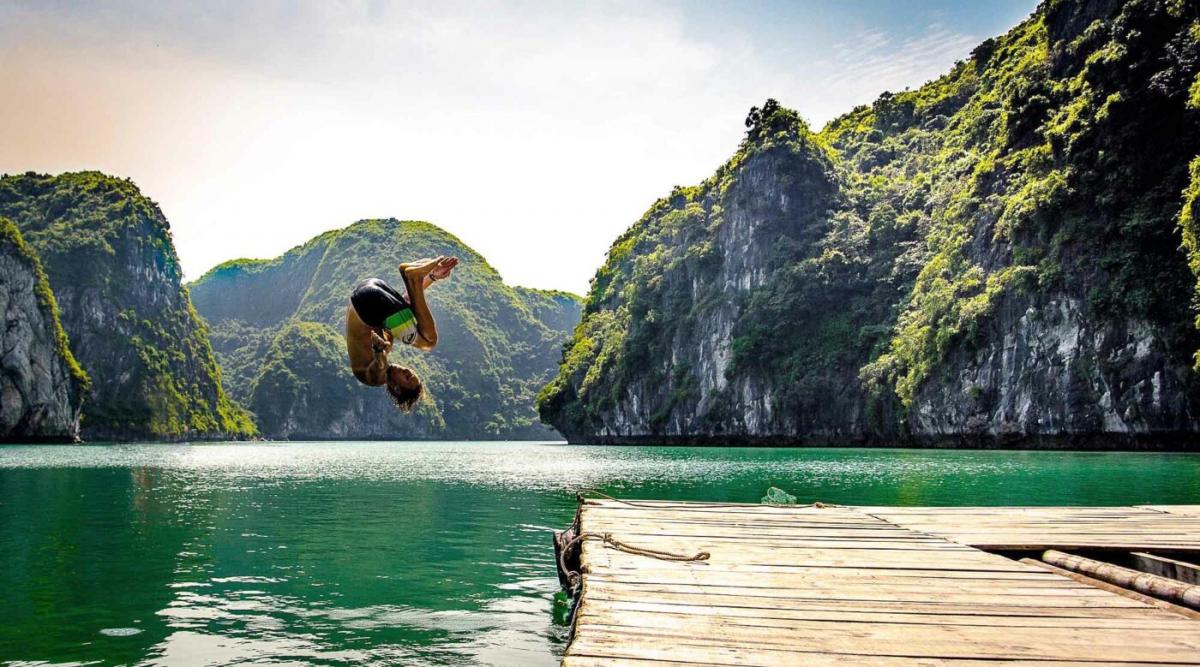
(404, 386)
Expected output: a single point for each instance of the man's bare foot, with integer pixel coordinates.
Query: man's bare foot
(443, 267)
(419, 268)
(416, 274)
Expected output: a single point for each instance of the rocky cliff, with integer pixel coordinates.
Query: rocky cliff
(992, 259)
(278, 331)
(112, 267)
(41, 384)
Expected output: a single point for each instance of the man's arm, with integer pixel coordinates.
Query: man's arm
(427, 335)
(377, 369)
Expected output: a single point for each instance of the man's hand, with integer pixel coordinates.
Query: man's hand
(378, 344)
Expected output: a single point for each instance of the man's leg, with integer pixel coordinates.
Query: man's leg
(414, 279)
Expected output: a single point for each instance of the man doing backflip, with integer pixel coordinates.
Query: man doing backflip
(378, 316)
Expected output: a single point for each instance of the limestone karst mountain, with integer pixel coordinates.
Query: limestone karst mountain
(998, 257)
(278, 330)
(113, 271)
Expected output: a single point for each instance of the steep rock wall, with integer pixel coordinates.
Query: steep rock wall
(41, 384)
(1046, 370)
(112, 266)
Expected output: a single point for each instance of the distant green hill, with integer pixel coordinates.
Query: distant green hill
(113, 271)
(277, 328)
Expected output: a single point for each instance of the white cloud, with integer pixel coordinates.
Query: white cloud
(535, 132)
(872, 63)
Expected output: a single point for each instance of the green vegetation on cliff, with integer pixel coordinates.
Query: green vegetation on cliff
(1071, 143)
(849, 270)
(1189, 216)
(278, 330)
(113, 271)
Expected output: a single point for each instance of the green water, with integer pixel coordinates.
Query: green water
(406, 553)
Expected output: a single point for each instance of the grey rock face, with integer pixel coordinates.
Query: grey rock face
(39, 398)
(1045, 369)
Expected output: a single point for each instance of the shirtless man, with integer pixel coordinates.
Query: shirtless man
(378, 316)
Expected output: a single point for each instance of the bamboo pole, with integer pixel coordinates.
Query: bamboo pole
(1151, 584)
(1116, 590)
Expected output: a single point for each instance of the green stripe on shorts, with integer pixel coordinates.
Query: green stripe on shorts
(402, 324)
(402, 318)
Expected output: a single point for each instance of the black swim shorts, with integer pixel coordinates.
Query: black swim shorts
(375, 301)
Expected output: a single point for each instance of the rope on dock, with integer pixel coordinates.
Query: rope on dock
(571, 538)
(609, 541)
(613, 542)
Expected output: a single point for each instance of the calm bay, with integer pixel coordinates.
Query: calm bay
(404, 552)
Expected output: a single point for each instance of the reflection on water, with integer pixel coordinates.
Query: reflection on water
(406, 553)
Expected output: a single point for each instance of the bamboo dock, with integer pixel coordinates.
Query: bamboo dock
(671, 583)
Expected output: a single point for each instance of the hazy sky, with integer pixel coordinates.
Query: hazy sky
(536, 132)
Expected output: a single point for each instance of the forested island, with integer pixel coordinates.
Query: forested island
(277, 328)
(997, 258)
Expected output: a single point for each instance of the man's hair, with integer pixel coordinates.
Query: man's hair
(405, 398)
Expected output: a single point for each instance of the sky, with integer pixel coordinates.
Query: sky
(535, 132)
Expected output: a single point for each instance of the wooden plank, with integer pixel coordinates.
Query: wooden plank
(1167, 644)
(772, 615)
(1064, 608)
(1172, 528)
(888, 586)
(1189, 573)
(819, 660)
(758, 599)
(747, 649)
(1084, 596)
